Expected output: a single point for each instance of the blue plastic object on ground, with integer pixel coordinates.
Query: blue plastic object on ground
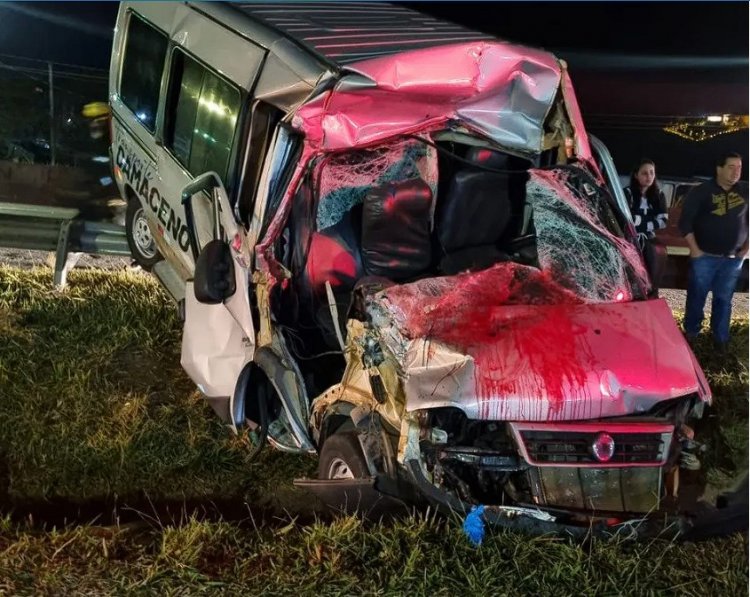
(474, 525)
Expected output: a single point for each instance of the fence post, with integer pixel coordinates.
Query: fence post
(51, 115)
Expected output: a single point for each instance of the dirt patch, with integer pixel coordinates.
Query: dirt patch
(27, 259)
(676, 301)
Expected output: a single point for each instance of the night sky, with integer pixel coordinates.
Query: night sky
(626, 58)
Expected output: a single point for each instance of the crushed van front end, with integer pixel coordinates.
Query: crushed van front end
(480, 291)
(566, 412)
(567, 473)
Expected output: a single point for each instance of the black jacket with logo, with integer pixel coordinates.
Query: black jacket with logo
(716, 217)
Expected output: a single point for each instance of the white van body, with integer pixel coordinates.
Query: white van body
(237, 48)
(394, 245)
(232, 50)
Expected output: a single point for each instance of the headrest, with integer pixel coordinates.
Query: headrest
(488, 158)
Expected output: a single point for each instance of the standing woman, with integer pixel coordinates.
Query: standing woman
(648, 207)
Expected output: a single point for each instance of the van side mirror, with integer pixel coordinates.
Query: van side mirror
(214, 280)
(214, 276)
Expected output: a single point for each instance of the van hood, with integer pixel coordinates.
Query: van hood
(508, 343)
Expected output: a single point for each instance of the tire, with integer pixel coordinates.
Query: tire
(341, 458)
(141, 243)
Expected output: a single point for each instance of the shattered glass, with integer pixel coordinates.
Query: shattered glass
(574, 242)
(344, 179)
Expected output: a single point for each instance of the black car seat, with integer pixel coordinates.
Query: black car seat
(387, 238)
(333, 257)
(396, 222)
(474, 213)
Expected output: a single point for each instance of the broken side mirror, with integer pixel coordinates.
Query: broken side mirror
(214, 280)
(214, 277)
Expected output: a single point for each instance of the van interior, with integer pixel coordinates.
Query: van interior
(371, 218)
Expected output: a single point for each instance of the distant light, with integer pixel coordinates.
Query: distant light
(708, 127)
(69, 120)
(141, 115)
(620, 296)
(106, 180)
(101, 159)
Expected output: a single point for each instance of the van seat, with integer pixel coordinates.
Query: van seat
(474, 214)
(396, 222)
(333, 255)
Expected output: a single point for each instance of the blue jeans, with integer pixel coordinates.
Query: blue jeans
(718, 275)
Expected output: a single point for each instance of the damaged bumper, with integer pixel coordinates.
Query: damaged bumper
(710, 523)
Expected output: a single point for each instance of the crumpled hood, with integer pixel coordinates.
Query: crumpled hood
(509, 344)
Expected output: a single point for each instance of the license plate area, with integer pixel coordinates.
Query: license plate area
(597, 489)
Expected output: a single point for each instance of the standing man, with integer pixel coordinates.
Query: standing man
(714, 222)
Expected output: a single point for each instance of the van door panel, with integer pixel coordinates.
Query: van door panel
(218, 49)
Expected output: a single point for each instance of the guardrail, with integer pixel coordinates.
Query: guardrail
(39, 227)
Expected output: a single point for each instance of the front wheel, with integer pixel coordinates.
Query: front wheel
(140, 240)
(342, 458)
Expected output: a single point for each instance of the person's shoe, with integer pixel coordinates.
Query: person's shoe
(721, 348)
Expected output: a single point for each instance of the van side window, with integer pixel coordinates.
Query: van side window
(142, 67)
(201, 117)
(263, 123)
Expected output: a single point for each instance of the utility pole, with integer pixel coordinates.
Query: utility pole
(51, 116)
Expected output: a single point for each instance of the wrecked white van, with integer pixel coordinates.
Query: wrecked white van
(395, 247)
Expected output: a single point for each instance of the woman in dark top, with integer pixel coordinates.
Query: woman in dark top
(648, 206)
(646, 201)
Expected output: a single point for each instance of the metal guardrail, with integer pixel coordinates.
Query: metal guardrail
(39, 227)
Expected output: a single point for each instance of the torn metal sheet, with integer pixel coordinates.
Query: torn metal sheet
(500, 90)
(582, 147)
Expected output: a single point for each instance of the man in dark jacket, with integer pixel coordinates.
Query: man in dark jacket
(714, 222)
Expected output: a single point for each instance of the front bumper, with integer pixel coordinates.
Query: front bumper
(565, 473)
(540, 522)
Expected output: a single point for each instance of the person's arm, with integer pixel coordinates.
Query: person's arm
(743, 249)
(628, 199)
(661, 212)
(694, 249)
(687, 218)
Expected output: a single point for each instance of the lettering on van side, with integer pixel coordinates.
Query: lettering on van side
(140, 175)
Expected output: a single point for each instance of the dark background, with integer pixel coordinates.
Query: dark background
(636, 66)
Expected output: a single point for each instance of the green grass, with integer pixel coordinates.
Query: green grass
(726, 426)
(417, 556)
(94, 404)
(93, 401)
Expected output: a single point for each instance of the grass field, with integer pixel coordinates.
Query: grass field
(95, 411)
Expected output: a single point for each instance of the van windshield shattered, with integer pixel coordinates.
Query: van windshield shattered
(578, 239)
(574, 236)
